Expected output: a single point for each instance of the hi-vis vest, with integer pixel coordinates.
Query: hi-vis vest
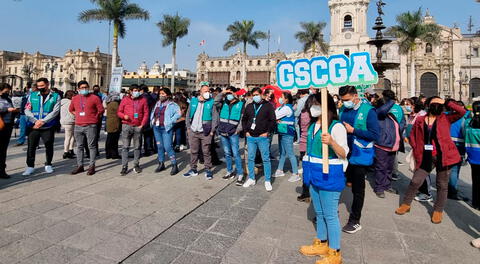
(231, 114)
(286, 125)
(362, 152)
(207, 109)
(40, 108)
(472, 143)
(397, 111)
(314, 142)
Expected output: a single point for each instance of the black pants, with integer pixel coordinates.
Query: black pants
(99, 130)
(148, 141)
(305, 189)
(356, 175)
(475, 185)
(111, 145)
(5, 135)
(48, 137)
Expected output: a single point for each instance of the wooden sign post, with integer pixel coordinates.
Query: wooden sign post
(324, 93)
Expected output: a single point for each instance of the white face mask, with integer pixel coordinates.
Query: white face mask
(206, 95)
(316, 111)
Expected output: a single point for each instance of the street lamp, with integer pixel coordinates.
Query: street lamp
(51, 67)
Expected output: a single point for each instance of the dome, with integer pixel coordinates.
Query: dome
(143, 69)
(156, 68)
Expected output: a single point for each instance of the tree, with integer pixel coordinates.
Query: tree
(173, 28)
(241, 32)
(116, 12)
(409, 29)
(311, 37)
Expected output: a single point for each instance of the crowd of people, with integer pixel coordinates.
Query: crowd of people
(364, 135)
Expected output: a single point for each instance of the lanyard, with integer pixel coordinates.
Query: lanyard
(256, 112)
(82, 103)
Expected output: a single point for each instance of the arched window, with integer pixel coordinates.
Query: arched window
(347, 21)
(428, 48)
(238, 75)
(202, 77)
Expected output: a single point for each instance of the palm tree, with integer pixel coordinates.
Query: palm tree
(409, 29)
(116, 11)
(241, 32)
(311, 37)
(173, 28)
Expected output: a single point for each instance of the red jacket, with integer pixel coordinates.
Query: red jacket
(129, 107)
(450, 155)
(87, 109)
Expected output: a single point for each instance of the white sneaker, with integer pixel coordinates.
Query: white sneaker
(279, 173)
(249, 183)
(294, 178)
(268, 186)
(300, 171)
(48, 169)
(183, 147)
(29, 171)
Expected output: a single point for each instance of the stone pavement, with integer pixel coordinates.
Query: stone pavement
(157, 218)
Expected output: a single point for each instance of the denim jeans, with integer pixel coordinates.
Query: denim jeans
(454, 174)
(23, 129)
(231, 148)
(263, 144)
(163, 139)
(325, 204)
(286, 148)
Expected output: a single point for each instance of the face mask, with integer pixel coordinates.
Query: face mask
(315, 110)
(435, 109)
(5, 95)
(83, 92)
(162, 98)
(408, 108)
(230, 97)
(206, 95)
(30, 90)
(348, 104)
(310, 92)
(42, 90)
(135, 94)
(281, 101)
(257, 99)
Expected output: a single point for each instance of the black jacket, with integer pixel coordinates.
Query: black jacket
(265, 119)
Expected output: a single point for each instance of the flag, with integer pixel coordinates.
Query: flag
(202, 42)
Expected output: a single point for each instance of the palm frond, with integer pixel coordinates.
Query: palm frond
(241, 32)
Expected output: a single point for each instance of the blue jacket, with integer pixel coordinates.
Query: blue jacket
(387, 135)
(349, 115)
(457, 132)
(172, 114)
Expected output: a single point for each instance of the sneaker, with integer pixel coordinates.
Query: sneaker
(279, 173)
(239, 182)
(183, 147)
(268, 186)
(395, 177)
(229, 176)
(391, 190)
(124, 171)
(4, 175)
(300, 171)
(137, 169)
(351, 228)
(208, 175)
(48, 169)
(190, 173)
(380, 195)
(303, 198)
(29, 171)
(421, 197)
(249, 183)
(294, 178)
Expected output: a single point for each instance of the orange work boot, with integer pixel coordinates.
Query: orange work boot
(437, 217)
(333, 257)
(316, 249)
(403, 209)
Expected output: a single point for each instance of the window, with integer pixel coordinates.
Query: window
(228, 63)
(428, 48)
(203, 63)
(61, 68)
(202, 77)
(211, 64)
(384, 54)
(267, 63)
(259, 63)
(250, 63)
(220, 64)
(15, 70)
(238, 75)
(475, 52)
(347, 21)
(346, 52)
(101, 81)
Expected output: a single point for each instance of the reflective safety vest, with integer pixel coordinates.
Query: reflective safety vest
(397, 111)
(314, 142)
(286, 125)
(40, 108)
(472, 143)
(207, 109)
(231, 114)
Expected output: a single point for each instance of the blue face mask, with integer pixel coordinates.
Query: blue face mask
(348, 104)
(135, 94)
(408, 108)
(257, 99)
(230, 97)
(281, 101)
(83, 92)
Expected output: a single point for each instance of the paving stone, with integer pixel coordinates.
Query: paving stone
(115, 192)
(91, 259)
(10, 195)
(252, 203)
(33, 225)
(425, 245)
(43, 206)
(7, 237)
(197, 222)
(148, 227)
(58, 232)
(66, 211)
(292, 239)
(213, 209)
(116, 222)
(240, 214)
(89, 217)
(22, 249)
(154, 253)
(289, 256)
(14, 217)
(379, 239)
(178, 237)
(263, 234)
(54, 255)
(408, 227)
(117, 247)
(87, 238)
(228, 228)
(245, 251)
(190, 257)
(212, 245)
(373, 255)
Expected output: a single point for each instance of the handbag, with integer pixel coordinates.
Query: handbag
(410, 160)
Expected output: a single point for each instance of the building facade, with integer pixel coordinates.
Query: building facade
(19, 68)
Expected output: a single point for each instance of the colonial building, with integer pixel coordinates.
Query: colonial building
(18, 68)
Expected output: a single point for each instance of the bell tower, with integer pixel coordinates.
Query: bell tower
(348, 22)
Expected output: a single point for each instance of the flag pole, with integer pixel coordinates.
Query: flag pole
(324, 96)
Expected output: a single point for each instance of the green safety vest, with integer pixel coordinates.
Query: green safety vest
(362, 115)
(41, 109)
(207, 109)
(397, 111)
(314, 142)
(231, 113)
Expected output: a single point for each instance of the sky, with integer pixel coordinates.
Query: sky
(52, 26)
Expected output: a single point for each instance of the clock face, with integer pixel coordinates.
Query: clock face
(348, 36)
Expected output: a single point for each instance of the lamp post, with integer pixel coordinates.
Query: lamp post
(51, 67)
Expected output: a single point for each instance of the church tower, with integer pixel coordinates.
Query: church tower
(348, 22)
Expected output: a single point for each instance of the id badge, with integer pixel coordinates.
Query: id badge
(253, 126)
(135, 115)
(82, 113)
(157, 123)
(428, 147)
